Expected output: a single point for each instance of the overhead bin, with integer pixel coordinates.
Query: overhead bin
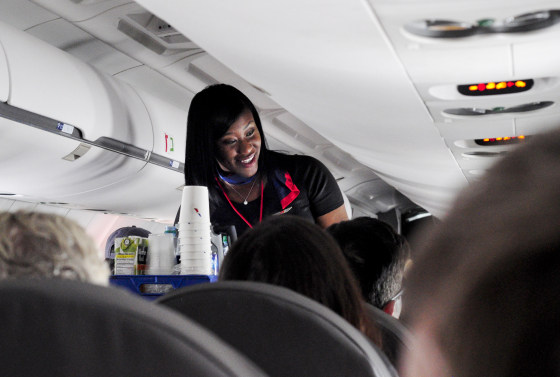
(85, 125)
(4, 77)
(50, 82)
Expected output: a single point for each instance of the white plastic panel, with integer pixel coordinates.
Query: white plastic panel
(78, 10)
(167, 104)
(50, 82)
(208, 64)
(537, 124)
(4, 76)
(457, 137)
(82, 45)
(538, 57)
(22, 206)
(5, 203)
(23, 14)
(32, 161)
(150, 194)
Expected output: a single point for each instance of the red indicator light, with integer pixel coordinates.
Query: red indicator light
(510, 84)
(481, 87)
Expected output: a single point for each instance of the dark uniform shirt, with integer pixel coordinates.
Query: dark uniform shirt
(297, 185)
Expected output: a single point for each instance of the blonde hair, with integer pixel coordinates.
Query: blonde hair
(41, 245)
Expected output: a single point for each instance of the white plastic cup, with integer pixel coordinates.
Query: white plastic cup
(194, 241)
(195, 231)
(161, 254)
(195, 206)
(194, 227)
(198, 225)
(197, 266)
(186, 249)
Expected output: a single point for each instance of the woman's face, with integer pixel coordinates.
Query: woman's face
(239, 148)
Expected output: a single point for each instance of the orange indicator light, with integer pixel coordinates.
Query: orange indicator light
(491, 85)
(520, 84)
(472, 88)
(486, 139)
(501, 85)
(521, 137)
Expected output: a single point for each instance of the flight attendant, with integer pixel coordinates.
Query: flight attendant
(226, 151)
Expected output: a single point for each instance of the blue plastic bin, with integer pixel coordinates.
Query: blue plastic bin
(153, 286)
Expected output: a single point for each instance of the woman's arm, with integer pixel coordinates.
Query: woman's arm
(335, 216)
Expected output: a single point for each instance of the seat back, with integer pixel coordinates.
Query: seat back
(68, 328)
(395, 336)
(283, 332)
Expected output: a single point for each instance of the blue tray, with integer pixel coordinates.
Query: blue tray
(153, 286)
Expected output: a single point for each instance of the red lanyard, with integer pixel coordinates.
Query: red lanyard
(235, 209)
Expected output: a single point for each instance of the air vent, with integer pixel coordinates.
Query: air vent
(479, 154)
(435, 28)
(155, 34)
(476, 111)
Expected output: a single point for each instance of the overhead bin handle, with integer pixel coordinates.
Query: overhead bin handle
(121, 147)
(66, 130)
(39, 121)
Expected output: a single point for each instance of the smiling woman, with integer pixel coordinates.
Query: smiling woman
(226, 152)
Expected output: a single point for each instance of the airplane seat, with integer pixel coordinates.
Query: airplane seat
(69, 328)
(396, 338)
(283, 332)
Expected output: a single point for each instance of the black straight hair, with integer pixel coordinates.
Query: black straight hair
(212, 111)
(292, 252)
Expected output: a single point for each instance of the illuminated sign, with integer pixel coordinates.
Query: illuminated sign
(497, 87)
(501, 140)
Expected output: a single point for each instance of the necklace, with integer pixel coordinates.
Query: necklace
(245, 202)
(235, 209)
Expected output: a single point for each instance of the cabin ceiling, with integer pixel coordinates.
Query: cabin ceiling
(340, 80)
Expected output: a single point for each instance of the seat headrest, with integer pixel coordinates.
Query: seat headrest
(283, 332)
(395, 336)
(69, 328)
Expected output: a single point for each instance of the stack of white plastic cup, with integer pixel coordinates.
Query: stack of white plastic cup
(161, 254)
(194, 232)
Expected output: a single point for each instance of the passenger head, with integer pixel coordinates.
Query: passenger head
(40, 245)
(291, 252)
(377, 256)
(212, 111)
(483, 291)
